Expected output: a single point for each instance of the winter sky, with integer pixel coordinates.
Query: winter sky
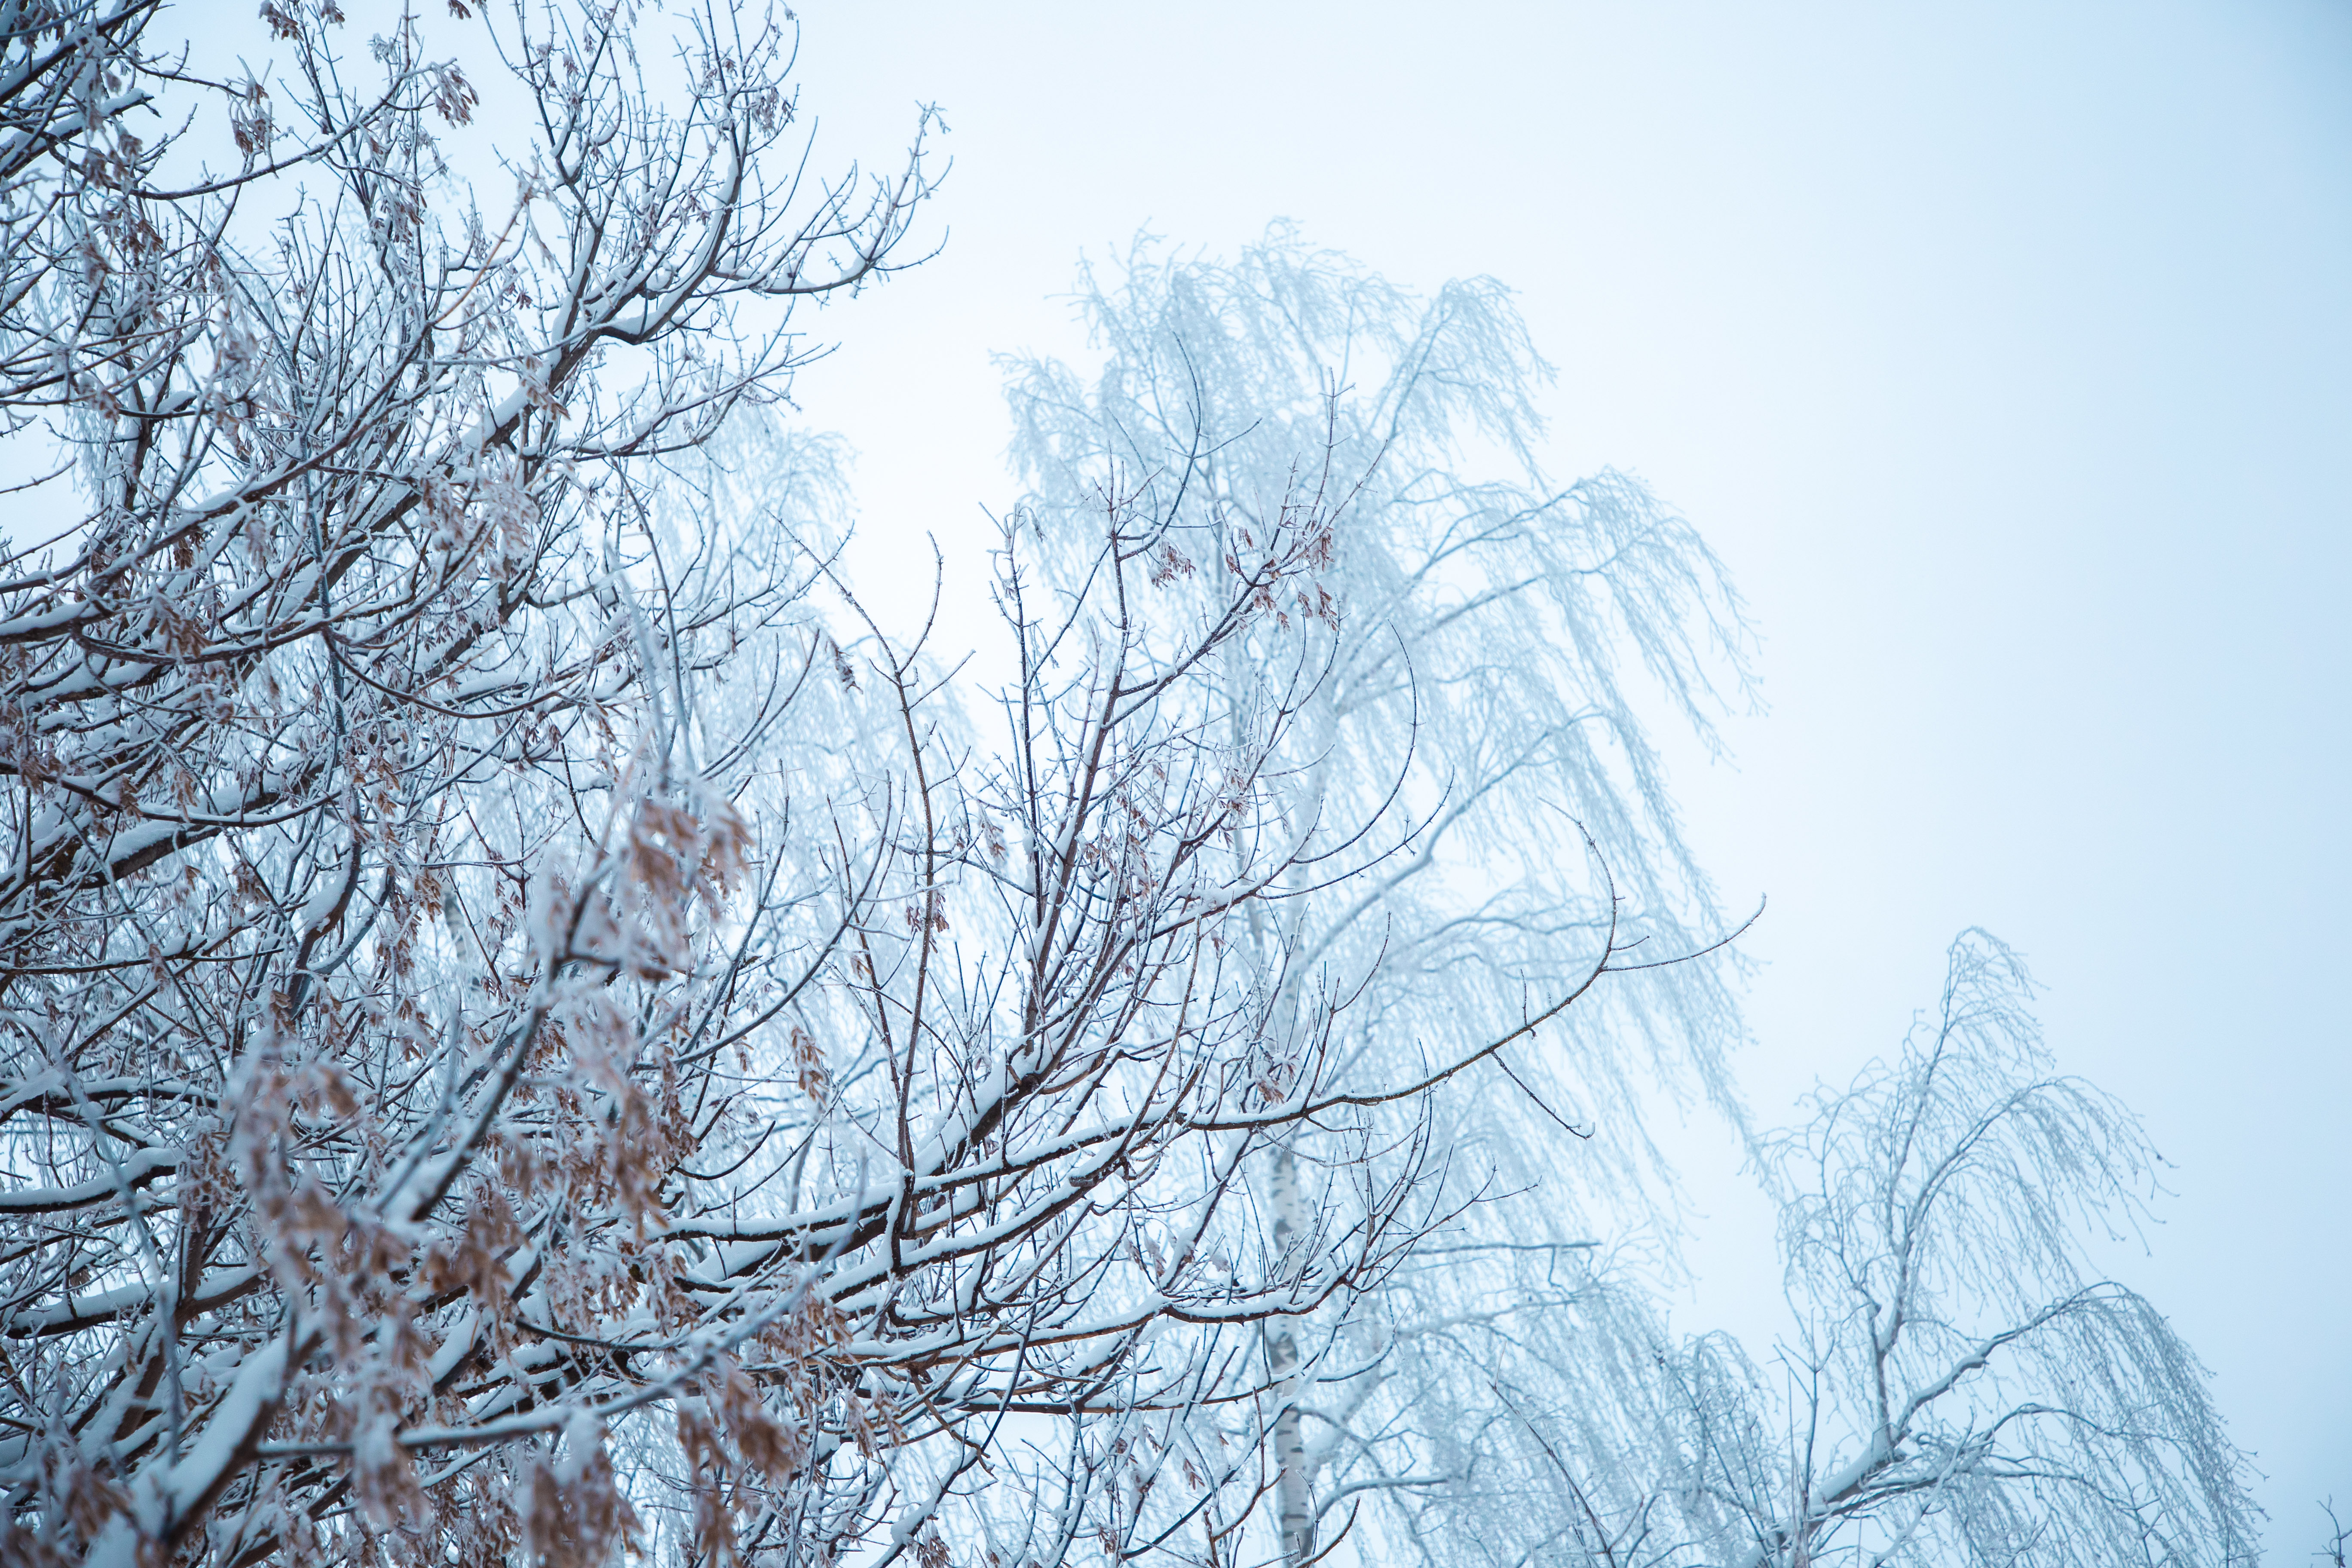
(2005, 352)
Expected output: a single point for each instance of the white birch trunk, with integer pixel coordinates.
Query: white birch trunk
(1284, 1361)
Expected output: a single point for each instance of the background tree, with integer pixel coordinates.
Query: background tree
(1475, 641)
(1962, 1384)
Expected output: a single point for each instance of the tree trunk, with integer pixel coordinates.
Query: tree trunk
(1282, 1361)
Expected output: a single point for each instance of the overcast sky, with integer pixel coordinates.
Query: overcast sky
(2004, 352)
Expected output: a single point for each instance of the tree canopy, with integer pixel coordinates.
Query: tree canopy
(532, 1030)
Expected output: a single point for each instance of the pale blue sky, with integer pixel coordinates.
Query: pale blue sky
(2004, 350)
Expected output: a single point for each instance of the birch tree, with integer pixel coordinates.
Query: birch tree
(1491, 644)
(1961, 1384)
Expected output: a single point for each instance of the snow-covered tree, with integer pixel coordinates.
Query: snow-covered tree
(368, 864)
(1965, 1389)
(1486, 650)
(519, 1038)
(1962, 1384)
